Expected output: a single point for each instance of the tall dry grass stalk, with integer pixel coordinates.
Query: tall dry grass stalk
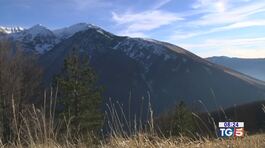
(120, 124)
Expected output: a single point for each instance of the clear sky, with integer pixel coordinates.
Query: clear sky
(206, 27)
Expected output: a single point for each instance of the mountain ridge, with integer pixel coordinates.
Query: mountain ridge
(40, 39)
(254, 67)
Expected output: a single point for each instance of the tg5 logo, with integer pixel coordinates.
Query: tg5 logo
(229, 132)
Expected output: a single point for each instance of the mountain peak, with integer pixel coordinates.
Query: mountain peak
(38, 26)
(37, 38)
(37, 30)
(83, 25)
(71, 30)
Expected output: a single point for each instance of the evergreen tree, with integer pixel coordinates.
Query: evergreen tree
(79, 95)
(176, 122)
(183, 122)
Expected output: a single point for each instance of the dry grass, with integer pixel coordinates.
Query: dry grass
(143, 141)
(38, 130)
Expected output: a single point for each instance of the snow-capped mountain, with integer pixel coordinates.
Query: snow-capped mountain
(33, 32)
(137, 71)
(124, 64)
(141, 66)
(37, 39)
(67, 32)
(9, 30)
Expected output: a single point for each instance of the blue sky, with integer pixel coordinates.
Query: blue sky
(206, 27)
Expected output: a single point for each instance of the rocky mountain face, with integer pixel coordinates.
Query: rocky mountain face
(252, 67)
(131, 69)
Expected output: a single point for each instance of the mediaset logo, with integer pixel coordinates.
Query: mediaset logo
(231, 129)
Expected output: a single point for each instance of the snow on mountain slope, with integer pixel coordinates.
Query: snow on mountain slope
(67, 32)
(33, 32)
(37, 38)
(136, 48)
(9, 30)
(40, 39)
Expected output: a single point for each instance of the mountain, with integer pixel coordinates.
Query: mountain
(252, 67)
(36, 39)
(132, 68)
(39, 39)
